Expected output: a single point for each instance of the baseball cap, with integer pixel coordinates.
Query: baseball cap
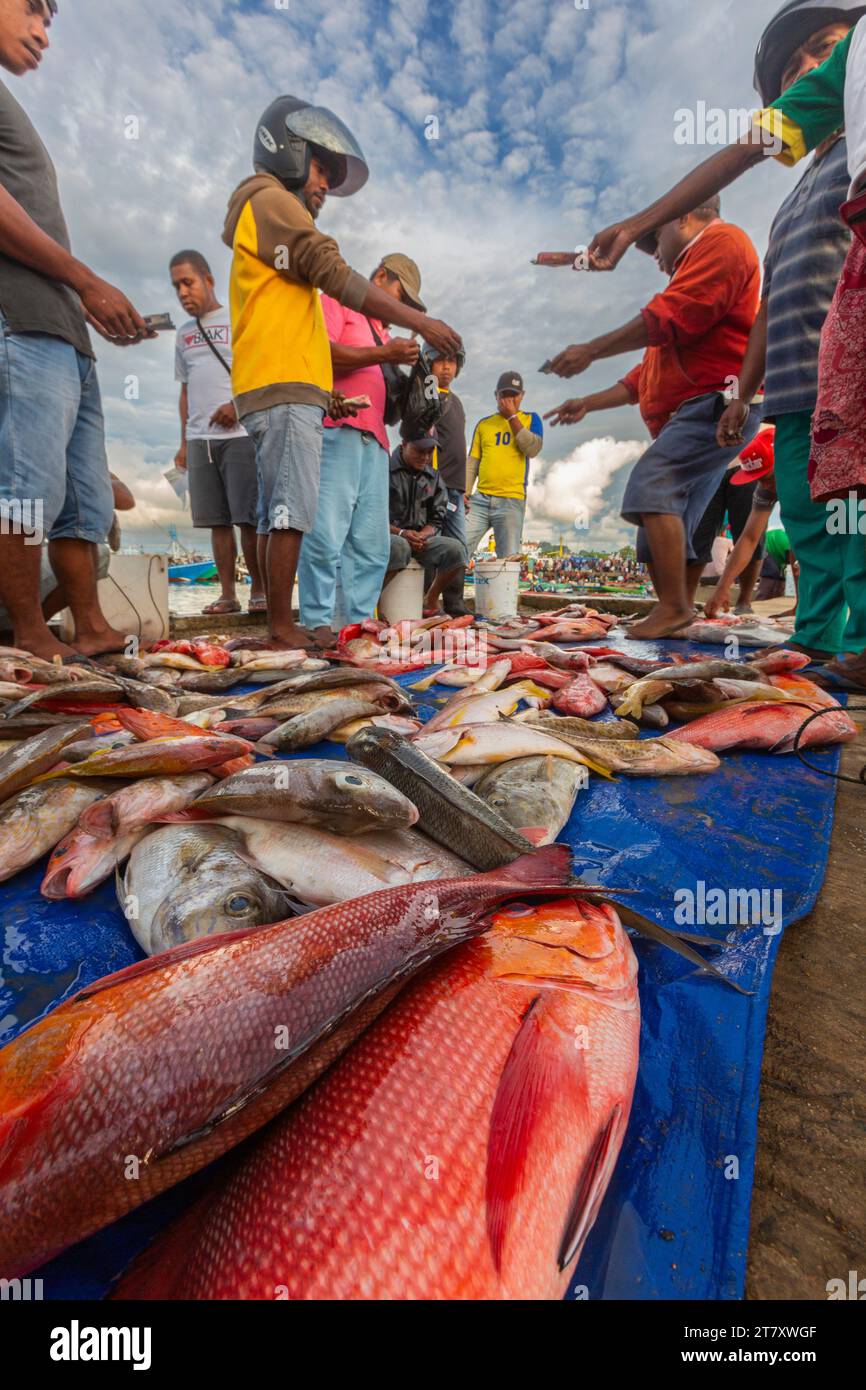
(409, 276)
(428, 440)
(757, 459)
(509, 383)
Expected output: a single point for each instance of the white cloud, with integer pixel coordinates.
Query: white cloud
(573, 493)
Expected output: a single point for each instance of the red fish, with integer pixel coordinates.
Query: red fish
(460, 1150)
(773, 728)
(148, 1075)
(581, 697)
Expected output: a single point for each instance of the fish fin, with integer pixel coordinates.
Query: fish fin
(552, 864)
(591, 1186)
(537, 1068)
(673, 943)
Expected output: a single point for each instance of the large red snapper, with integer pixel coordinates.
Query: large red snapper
(148, 1075)
(460, 1150)
(773, 728)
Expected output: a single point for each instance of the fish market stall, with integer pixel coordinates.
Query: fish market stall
(691, 842)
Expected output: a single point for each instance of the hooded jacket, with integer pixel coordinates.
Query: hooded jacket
(280, 260)
(417, 497)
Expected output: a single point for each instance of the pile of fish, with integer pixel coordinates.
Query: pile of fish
(283, 906)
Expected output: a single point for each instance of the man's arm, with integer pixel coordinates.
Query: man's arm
(183, 411)
(631, 337)
(739, 558)
(400, 351)
(106, 308)
(572, 412)
(730, 426)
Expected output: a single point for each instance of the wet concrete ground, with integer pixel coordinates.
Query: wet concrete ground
(808, 1210)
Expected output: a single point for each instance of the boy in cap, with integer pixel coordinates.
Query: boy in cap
(499, 455)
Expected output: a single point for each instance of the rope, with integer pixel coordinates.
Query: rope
(837, 776)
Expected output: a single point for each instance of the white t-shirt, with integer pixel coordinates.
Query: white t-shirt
(208, 383)
(855, 109)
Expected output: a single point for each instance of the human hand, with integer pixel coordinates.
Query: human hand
(402, 352)
(719, 603)
(572, 361)
(109, 311)
(569, 413)
(225, 416)
(607, 248)
(730, 427)
(442, 337)
(180, 456)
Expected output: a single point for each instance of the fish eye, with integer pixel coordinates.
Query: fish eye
(354, 781)
(519, 910)
(497, 801)
(237, 904)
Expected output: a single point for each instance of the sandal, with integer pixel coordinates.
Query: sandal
(222, 606)
(258, 605)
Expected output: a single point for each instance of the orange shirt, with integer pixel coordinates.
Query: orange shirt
(699, 326)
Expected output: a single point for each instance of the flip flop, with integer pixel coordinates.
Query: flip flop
(221, 607)
(257, 605)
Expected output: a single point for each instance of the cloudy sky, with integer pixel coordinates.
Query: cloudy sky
(554, 117)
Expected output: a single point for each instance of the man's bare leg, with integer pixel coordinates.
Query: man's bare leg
(667, 541)
(249, 545)
(225, 556)
(693, 580)
(19, 592)
(440, 583)
(283, 550)
(74, 563)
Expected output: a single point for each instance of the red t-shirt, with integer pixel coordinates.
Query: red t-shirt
(699, 326)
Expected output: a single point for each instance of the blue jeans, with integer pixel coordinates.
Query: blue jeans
(288, 440)
(504, 514)
(454, 524)
(351, 528)
(53, 465)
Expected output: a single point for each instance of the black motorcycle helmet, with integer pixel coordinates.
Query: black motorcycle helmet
(291, 131)
(432, 353)
(795, 22)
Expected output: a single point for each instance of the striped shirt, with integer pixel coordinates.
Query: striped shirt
(808, 245)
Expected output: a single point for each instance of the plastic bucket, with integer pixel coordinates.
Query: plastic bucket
(497, 588)
(133, 596)
(403, 598)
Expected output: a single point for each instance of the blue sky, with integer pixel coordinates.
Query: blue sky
(552, 120)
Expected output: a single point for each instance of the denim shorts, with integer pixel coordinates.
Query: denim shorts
(288, 440)
(681, 470)
(53, 465)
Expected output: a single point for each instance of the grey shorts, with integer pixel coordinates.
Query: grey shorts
(681, 470)
(222, 481)
(288, 442)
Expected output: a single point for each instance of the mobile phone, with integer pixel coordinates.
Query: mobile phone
(158, 322)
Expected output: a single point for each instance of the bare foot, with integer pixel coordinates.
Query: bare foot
(101, 641)
(45, 645)
(324, 636)
(292, 638)
(662, 622)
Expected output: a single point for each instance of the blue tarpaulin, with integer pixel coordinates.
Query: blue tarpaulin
(675, 1222)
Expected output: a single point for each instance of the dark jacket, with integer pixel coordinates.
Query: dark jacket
(451, 428)
(415, 500)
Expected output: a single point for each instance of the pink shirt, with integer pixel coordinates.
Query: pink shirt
(352, 329)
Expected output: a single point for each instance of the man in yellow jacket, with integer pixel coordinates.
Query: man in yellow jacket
(281, 373)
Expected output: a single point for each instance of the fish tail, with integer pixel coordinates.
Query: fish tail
(550, 865)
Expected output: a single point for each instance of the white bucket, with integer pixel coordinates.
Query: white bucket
(403, 597)
(134, 598)
(497, 589)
